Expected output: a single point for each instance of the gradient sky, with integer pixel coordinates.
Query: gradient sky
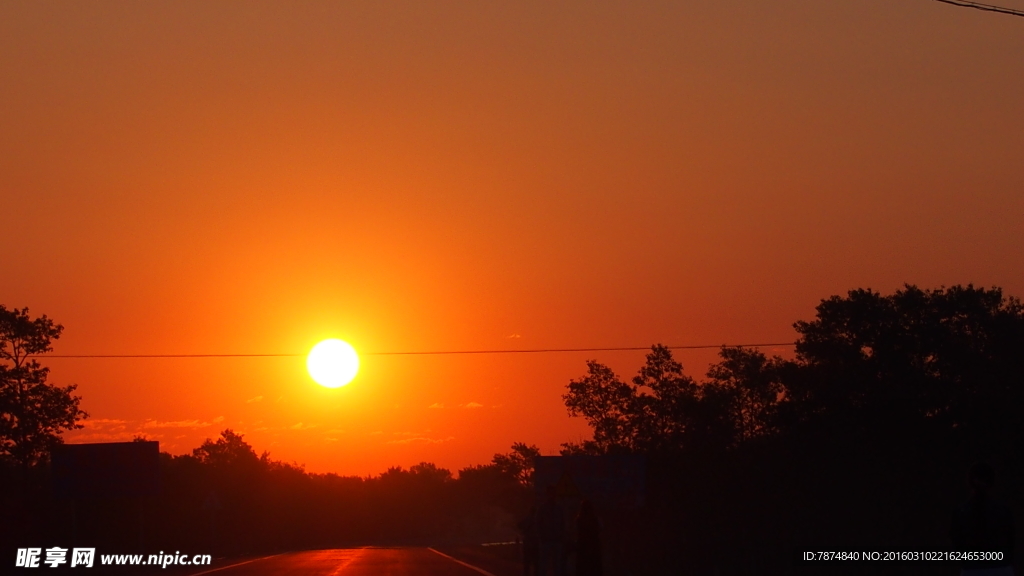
(252, 177)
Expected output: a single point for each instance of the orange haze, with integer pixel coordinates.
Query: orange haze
(197, 177)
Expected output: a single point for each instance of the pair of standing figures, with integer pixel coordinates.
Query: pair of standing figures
(547, 544)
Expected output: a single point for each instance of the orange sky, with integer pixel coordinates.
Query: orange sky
(197, 177)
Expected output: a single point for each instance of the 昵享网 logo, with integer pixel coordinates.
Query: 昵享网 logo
(55, 557)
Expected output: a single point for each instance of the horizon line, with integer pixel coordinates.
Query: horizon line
(431, 352)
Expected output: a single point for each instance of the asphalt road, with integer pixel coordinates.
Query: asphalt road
(351, 562)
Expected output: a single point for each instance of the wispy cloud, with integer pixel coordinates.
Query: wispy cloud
(256, 399)
(473, 405)
(513, 336)
(176, 424)
(100, 436)
(105, 423)
(436, 405)
(421, 440)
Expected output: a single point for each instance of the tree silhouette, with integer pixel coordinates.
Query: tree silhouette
(863, 435)
(748, 386)
(662, 410)
(230, 450)
(608, 405)
(942, 360)
(517, 464)
(33, 413)
(945, 361)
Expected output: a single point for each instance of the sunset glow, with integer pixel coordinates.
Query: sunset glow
(589, 288)
(203, 178)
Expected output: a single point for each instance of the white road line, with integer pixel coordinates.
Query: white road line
(232, 565)
(457, 561)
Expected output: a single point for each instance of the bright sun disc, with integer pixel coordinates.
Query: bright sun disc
(332, 363)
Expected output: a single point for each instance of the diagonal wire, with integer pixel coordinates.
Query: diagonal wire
(985, 7)
(431, 352)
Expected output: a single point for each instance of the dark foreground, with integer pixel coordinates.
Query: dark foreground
(354, 562)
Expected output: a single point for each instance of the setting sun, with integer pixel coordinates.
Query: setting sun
(332, 363)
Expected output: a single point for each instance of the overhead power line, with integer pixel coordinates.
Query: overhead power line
(985, 7)
(430, 353)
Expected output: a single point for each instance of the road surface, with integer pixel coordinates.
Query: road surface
(352, 562)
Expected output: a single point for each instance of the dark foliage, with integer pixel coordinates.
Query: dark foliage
(225, 499)
(33, 413)
(863, 438)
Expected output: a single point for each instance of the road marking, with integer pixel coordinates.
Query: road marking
(347, 561)
(232, 565)
(456, 560)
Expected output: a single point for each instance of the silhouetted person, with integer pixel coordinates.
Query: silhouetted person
(588, 541)
(983, 524)
(531, 545)
(551, 536)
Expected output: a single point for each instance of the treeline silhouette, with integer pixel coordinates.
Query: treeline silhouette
(227, 500)
(862, 440)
